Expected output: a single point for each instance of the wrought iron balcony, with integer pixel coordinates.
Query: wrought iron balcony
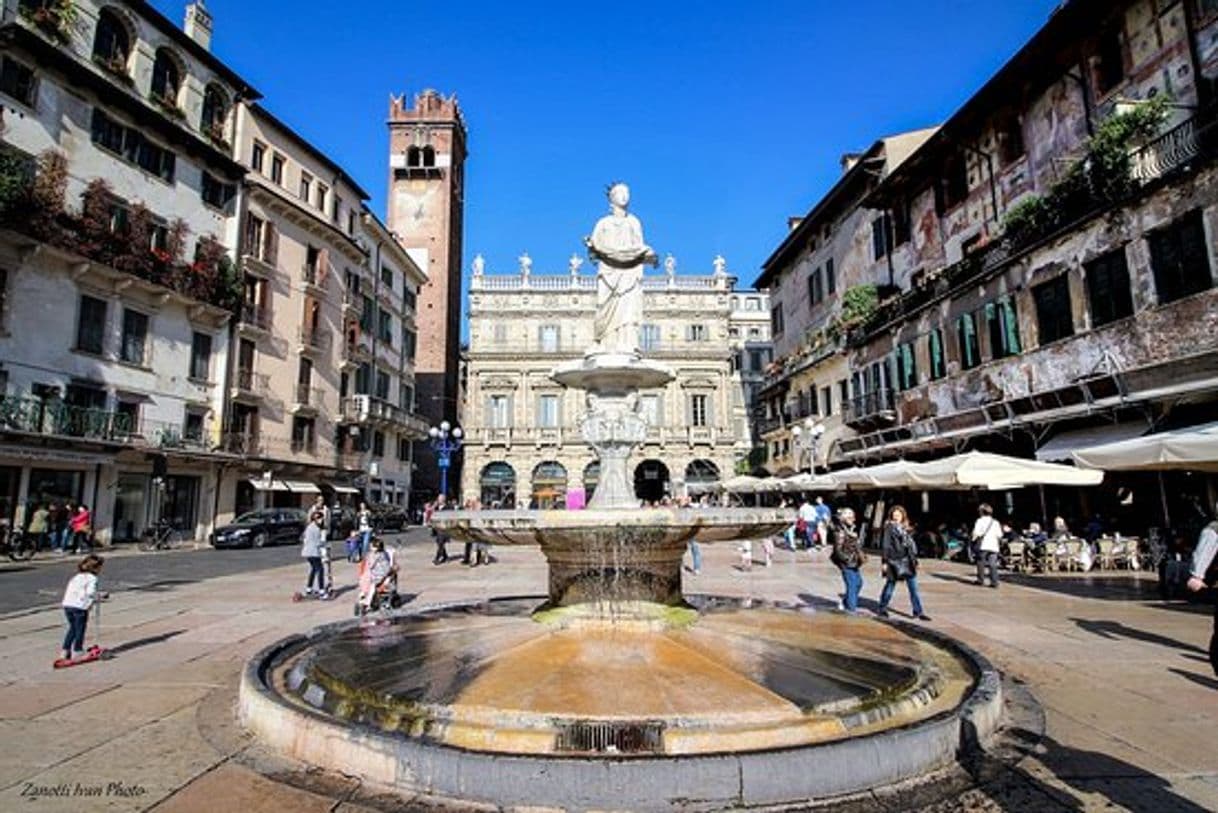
(314, 339)
(372, 410)
(307, 396)
(242, 443)
(52, 417)
(250, 383)
(255, 316)
(871, 408)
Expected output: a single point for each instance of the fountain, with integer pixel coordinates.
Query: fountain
(617, 691)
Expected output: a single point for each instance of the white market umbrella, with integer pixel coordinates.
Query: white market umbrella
(998, 472)
(807, 482)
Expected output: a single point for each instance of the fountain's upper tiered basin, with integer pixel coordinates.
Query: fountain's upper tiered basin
(613, 555)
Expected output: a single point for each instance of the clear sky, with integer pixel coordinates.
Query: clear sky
(724, 117)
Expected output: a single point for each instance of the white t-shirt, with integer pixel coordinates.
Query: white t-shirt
(81, 592)
(989, 531)
(807, 512)
(365, 520)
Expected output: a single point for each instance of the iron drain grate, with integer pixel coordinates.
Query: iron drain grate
(611, 737)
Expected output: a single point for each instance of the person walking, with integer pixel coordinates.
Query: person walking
(900, 563)
(1203, 573)
(987, 539)
(78, 599)
(805, 525)
(364, 522)
(39, 523)
(441, 538)
(62, 527)
(311, 542)
(81, 526)
(848, 555)
(824, 516)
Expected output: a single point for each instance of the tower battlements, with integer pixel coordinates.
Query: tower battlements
(428, 106)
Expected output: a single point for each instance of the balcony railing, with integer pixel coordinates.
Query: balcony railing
(33, 415)
(248, 381)
(309, 396)
(315, 338)
(353, 303)
(1171, 150)
(304, 445)
(370, 409)
(242, 443)
(871, 406)
(357, 348)
(258, 316)
(310, 275)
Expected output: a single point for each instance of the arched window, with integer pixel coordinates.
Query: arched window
(592, 477)
(166, 78)
(414, 157)
(215, 111)
(550, 485)
(651, 481)
(701, 471)
(429, 156)
(112, 42)
(498, 485)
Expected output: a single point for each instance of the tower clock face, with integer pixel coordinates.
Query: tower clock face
(415, 201)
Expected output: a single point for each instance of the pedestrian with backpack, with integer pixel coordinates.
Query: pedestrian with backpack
(1203, 573)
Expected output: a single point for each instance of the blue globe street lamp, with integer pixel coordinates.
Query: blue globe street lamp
(445, 442)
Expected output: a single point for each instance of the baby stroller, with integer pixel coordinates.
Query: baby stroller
(378, 582)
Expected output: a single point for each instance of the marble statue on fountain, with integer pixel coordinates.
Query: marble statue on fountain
(618, 249)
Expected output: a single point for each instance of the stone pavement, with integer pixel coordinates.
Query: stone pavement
(1130, 707)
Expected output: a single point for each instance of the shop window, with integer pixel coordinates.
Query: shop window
(1180, 258)
(1054, 319)
(1109, 295)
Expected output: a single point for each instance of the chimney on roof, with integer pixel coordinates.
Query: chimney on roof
(793, 222)
(198, 24)
(849, 160)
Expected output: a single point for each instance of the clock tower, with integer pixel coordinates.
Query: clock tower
(425, 211)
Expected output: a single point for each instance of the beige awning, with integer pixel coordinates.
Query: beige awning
(999, 472)
(260, 484)
(301, 487)
(343, 489)
(1061, 446)
(1193, 448)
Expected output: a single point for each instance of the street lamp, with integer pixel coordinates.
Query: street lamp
(807, 437)
(445, 441)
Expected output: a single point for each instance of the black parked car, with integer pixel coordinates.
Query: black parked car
(268, 526)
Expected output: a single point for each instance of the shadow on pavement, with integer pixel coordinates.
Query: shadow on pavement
(157, 587)
(1018, 786)
(1114, 630)
(127, 646)
(1121, 587)
(1200, 680)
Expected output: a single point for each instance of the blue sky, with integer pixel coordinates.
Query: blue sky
(725, 117)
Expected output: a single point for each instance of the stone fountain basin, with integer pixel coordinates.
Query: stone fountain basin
(594, 528)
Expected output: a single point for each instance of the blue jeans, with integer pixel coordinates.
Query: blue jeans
(914, 598)
(696, 552)
(853, 580)
(74, 639)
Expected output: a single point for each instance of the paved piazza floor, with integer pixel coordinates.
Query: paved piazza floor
(1130, 707)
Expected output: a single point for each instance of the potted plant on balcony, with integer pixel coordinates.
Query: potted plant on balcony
(54, 18)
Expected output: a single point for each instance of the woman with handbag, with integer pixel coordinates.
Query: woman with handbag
(849, 557)
(900, 562)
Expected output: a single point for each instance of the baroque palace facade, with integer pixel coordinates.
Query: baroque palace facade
(523, 442)
(199, 314)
